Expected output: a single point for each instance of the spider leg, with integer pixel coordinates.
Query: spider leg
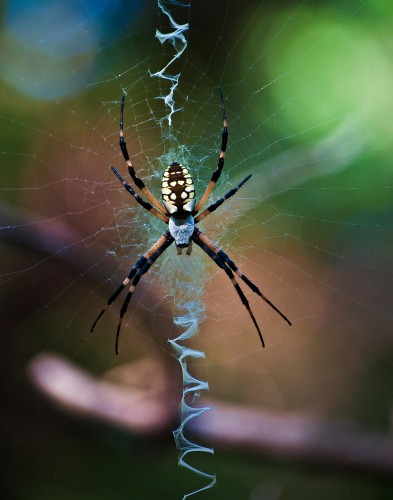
(138, 181)
(221, 263)
(221, 159)
(220, 201)
(145, 262)
(141, 202)
(134, 283)
(124, 307)
(198, 235)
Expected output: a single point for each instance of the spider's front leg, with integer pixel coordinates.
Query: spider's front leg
(222, 264)
(223, 261)
(137, 271)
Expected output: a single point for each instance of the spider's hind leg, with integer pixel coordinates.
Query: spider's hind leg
(221, 200)
(140, 200)
(131, 170)
(221, 159)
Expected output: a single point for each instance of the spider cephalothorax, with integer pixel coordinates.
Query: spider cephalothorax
(179, 210)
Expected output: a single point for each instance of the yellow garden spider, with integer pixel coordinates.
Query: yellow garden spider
(179, 210)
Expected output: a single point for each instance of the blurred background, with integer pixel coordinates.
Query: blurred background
(308, 98)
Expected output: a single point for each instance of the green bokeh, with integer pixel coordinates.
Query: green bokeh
(325, 68)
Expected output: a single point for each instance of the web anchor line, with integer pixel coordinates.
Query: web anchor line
(191, 389)
(194, 309)
(190, 320)
(179, 42)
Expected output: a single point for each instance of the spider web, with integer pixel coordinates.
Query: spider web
(307, 90)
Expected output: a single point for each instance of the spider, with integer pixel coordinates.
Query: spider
(179, 209)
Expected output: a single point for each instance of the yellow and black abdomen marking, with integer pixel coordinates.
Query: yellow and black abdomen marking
(178, 192)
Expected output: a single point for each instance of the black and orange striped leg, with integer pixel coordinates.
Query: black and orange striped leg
(221, 159)
(221, 263)
(143, 265)
(198, 235)
(220, 201)
(137, 180)
(140, 200)
(134, 283)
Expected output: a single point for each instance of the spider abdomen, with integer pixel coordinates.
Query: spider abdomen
(178, 192)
